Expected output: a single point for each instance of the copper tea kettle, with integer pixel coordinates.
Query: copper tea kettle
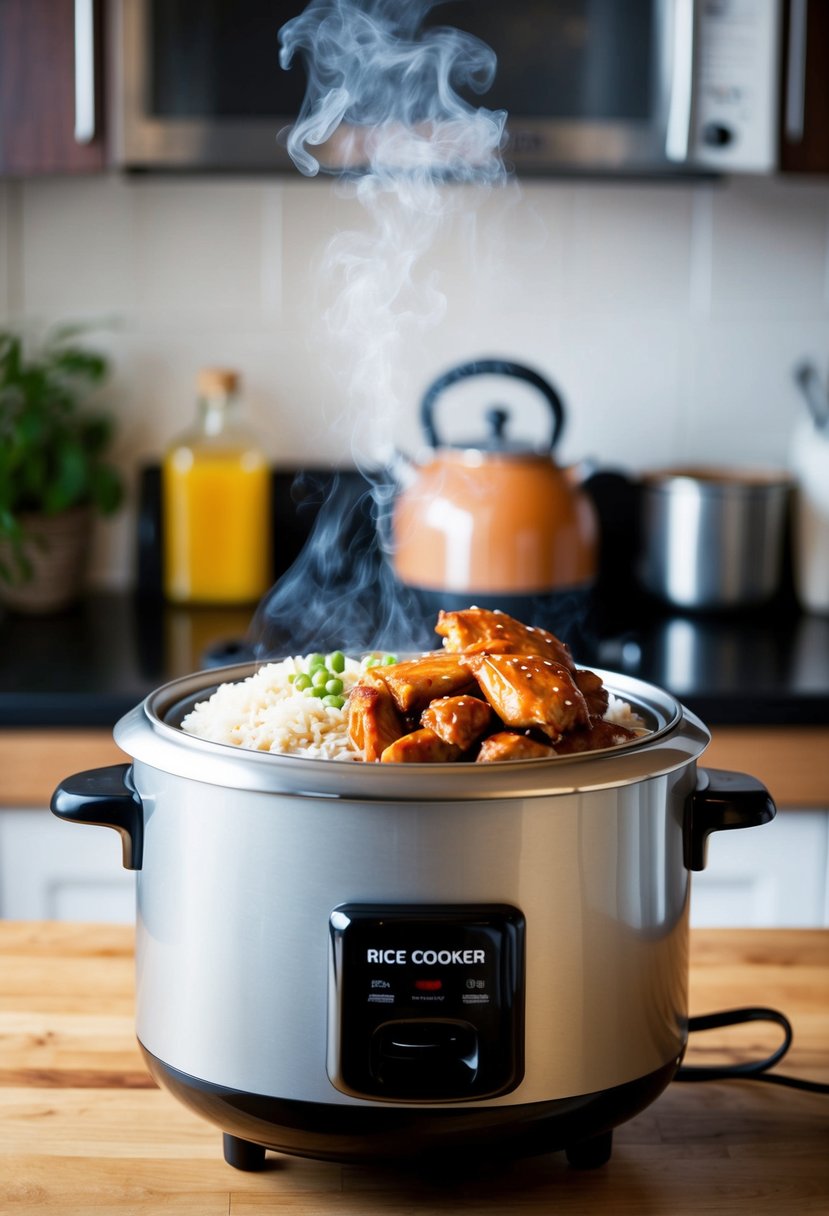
(493, 517)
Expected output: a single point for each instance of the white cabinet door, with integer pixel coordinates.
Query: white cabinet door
(774, 876)
(51, 870)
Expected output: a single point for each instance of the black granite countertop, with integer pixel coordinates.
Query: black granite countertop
(94, 662)
(89, 665)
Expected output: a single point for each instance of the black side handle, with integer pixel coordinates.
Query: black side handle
(489, 367)
(721, 801)
(105, 796)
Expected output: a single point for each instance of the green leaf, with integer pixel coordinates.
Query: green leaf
(52, 448)
(107, 490)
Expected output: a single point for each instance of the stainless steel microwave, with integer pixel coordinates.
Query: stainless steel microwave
(654, 87)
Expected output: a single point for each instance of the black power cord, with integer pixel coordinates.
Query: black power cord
(752, 1070)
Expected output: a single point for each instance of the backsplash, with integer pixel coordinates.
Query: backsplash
(668, 316)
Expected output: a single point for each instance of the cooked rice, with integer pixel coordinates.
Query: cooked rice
(267, 713)
(620, 713)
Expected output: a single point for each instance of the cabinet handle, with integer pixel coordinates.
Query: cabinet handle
(84, 71)
(681, 101)
(796, 72)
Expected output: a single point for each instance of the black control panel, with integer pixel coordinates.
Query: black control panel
(427, 1003)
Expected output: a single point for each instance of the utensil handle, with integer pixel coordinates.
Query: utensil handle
(84, 71)
(489, 367)
(683, 34)
(723, 800)
(108, 798)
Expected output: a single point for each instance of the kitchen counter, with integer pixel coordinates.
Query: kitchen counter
(89, 665)
(83, 1127)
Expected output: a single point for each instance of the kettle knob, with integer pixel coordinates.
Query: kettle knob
(497, 419)
(490, 367)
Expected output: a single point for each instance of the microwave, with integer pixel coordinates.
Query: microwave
(643, 87)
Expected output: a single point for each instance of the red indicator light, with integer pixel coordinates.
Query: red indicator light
(429, 985)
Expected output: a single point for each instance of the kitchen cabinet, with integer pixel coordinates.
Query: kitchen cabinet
(51, 86)
(804, 127)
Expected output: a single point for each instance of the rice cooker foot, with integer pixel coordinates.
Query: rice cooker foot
(590, 1154)
(241, 1154)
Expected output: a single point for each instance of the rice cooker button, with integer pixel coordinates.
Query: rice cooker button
(428, 1056)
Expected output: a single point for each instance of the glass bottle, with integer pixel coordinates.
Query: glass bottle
(216, 506)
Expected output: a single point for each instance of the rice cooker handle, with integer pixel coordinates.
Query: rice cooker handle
(105, 796)
(721, 801)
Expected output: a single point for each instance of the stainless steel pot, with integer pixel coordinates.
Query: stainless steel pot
(713, 538)
(357, 961)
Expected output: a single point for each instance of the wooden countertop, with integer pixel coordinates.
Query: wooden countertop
(84, 1130)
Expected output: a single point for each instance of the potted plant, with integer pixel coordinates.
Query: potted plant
(54, 475)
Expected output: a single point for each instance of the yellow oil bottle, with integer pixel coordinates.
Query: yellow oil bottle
(216, 504)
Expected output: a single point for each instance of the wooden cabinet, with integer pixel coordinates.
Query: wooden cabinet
(804, 127)
(51, 82)
(774, 876)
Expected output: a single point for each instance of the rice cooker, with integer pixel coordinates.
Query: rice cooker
(365, 961)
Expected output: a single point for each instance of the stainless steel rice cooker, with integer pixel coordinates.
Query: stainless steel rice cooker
(364, 961)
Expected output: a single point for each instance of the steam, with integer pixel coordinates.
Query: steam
(382, 111)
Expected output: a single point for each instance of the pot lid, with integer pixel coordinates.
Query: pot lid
(497, 442)
(151, 733)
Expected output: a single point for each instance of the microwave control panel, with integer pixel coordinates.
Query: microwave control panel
(736, 73)
(426, 1004)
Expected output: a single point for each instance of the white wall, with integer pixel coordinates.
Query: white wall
(669, 316)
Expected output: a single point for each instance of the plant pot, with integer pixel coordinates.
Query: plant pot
(57, 546)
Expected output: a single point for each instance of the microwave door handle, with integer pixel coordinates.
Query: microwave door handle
(681, 92)
(796, 72)
(84, 71)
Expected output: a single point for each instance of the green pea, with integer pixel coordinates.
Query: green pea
(315, 660)
(334, 702)
(334, 687)
(302, 681)
(336, 661)
(319, 691)
(292, 677)
(389, 660)
(372, 662)
(320, 677)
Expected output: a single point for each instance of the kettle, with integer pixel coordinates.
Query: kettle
(493, 520)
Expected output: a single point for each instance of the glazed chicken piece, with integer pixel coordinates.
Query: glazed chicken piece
(415, 683)
(526, 691)
(458, 720)
(506, 745)
(599, 734)
(373, 720)
(479, 631)
(594, 692)
(420, 747)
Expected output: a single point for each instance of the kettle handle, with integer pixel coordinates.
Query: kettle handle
(489, 367)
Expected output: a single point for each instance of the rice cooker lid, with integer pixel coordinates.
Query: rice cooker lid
(151, 733)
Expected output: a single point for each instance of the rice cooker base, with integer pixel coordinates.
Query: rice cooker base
(580, 1125)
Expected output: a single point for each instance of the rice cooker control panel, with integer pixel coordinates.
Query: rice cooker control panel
(426, 1003)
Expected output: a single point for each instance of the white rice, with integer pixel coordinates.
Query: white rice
(267, 713)
(620, 713)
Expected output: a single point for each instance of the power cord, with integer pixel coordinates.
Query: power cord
(752, 1070)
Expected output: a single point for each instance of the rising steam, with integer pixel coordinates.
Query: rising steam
(383, 112)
